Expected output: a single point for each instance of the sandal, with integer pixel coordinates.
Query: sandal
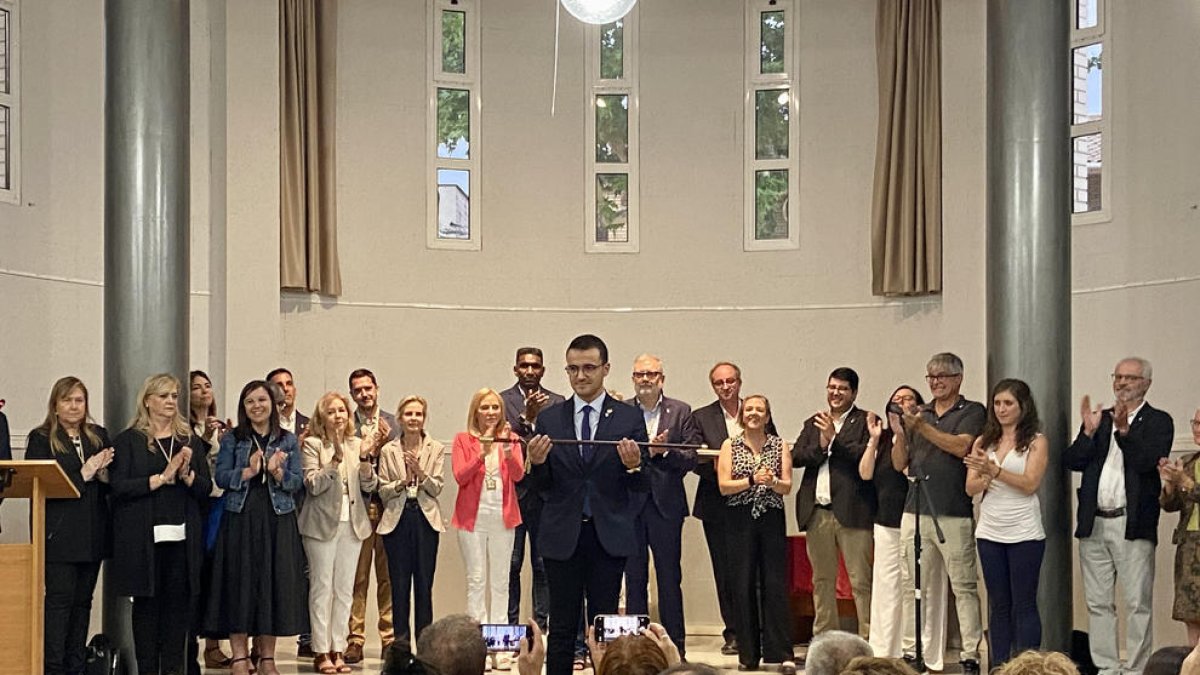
(340, 665)
(580, 663)
(215, 659)
(323, 664)
(273, 670)
(234, 664)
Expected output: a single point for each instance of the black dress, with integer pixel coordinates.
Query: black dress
(257, 585)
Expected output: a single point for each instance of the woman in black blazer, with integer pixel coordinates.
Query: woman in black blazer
(160, 484)
(76, 529)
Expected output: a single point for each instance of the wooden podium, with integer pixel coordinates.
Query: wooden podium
(23, 588)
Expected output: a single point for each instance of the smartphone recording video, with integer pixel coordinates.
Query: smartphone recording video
(503, 637)
(609, 627)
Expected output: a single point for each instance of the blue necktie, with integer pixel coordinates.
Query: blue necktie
(585, 452)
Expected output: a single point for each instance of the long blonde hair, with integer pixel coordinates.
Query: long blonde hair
(319, 427)
(60, 390)
(153, 386)
(472, 423)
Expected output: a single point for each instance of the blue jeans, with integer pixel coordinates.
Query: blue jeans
(1010, 572)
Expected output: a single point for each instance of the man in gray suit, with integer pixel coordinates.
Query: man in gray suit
(522, 403)
(661, 511)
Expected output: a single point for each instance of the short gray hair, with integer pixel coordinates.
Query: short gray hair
(654, 357)
(453, 645)
(949, 363)
(1147, 369)
(830, 652)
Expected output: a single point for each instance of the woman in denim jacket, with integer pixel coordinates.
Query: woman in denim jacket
(258, 585)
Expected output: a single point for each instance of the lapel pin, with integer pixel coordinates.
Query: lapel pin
(607, 412)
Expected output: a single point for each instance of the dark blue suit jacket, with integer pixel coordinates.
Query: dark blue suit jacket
(667, 471)
(563, 480)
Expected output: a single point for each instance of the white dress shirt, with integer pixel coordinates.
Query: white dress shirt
(1111, 492)
(824, 491)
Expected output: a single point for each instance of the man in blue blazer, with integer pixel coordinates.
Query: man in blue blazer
(587, 526)
(661, 511)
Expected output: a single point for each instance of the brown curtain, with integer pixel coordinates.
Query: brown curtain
(308, 257)
(906, 208)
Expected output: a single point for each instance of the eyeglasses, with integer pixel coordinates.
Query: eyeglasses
(727, 382)
(837, 389)
(938, 377)
(587, 369)
(647, 374)
(904, 397)
(1119, 377)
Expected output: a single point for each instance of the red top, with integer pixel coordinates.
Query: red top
(469, 467)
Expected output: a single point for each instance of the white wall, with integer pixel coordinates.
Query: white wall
(532, 283)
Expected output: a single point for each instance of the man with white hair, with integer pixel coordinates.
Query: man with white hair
(830, 652)
(1118, 450)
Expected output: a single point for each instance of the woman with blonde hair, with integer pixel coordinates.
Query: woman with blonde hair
(76, 529)
(160, 485)
(334, 522)
(487, 463)
(410, 480)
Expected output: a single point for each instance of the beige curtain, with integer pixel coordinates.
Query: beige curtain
(308, 168)
(906, 208)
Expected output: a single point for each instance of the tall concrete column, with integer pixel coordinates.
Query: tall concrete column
(1029, 252)
(146, 229)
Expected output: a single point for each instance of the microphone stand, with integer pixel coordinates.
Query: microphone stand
(919, 479)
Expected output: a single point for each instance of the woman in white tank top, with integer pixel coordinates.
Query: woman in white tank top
(1006, 465)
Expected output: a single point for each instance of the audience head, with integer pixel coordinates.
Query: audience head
(364, 389)
(944, 373)
(331, 418)
(1131, 379)
(256, 406)
(158, 406)
(453, 645)
(755, 412)
(486, 414)
(587, 366)
(1166, 661)
(691, 668)
(632, 655)
(283, 378)
(874, 665)
(202, 403)
(1011, 405)
(726, 381)
(68, 407)
(841, 388)
(412, 413)
(1038, 663)
(529, 367)
(830, 652)
(648, 376)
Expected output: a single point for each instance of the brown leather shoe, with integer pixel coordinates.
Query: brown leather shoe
(353, 653)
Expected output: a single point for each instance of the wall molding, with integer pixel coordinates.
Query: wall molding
(91, 283)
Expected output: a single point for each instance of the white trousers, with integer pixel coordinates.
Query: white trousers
(1105, 559)
(935, 587)
(331, 567)
(487, 553)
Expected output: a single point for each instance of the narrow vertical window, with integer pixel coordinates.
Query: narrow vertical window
(611, 215)
(10, 146)
(454, 143)
(1089, 120)
(770, 158)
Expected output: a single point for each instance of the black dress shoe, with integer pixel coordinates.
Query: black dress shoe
(969, 666)
(743, 667)
(730, 647)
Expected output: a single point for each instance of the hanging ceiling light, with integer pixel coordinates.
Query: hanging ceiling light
(598, 11)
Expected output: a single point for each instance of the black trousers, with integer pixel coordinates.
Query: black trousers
(716, 535)
(663, 536)
(531, 514)
(69, 590)
(161, 622)
(764, 627)
(412, 560)
(590, 572)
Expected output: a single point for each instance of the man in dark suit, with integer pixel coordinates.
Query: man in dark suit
(711, 425)
(587, 526)
(1118, 450)
(522, 403)
(290, 419)
(660, 512)
(835, 507)
(369, 420)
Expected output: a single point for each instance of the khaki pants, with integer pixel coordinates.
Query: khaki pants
(824, 537)
(960, 561)
(372, 547)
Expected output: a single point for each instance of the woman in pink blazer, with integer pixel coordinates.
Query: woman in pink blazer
(487, 464)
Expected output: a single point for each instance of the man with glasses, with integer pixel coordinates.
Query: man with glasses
(931, 447)
(522, 403)
(711, 425)
(1118, 450)
(660, 513)
(586, 529)
(835, 507)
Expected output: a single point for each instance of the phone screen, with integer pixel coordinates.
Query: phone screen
(503, 637)
(609, 627)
